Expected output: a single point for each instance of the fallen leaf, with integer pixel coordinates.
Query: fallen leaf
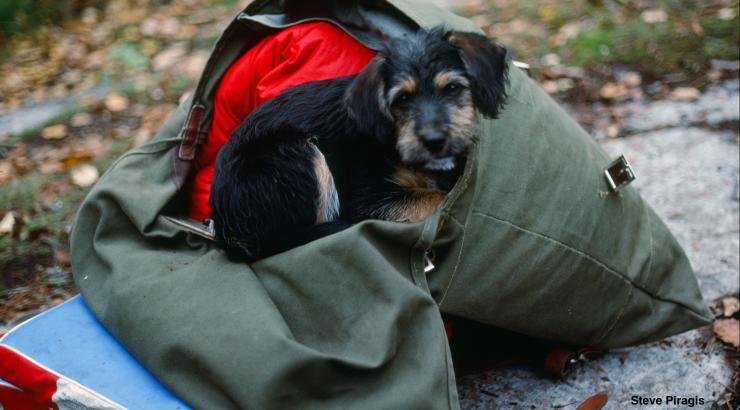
(632, 79)
(141, 137)
(550, 87)
(51, 167)
(62, 257)
(116, 102)
(7, 223)
(730, 306)
(169, 57)
(193, 64)
(697, 28)
(652, 16)
(595, 402)
(727, 13)
(612, 131)
(550, 59)
(80, 120)
(6, 171)
(84, 175)
(613, 91)
(54, 132)
(728, 331)
(684, 93)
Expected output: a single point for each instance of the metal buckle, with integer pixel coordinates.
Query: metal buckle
(428, 264)
(524, 66)
(204, 229)
(619, 173)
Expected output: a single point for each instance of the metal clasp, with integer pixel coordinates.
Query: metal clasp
(524, 66)
(428, 264)
(204, 229)
(619, 173)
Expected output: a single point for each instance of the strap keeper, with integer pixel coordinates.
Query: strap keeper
(191, 135)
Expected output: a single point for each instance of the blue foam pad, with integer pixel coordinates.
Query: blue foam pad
(70, 341)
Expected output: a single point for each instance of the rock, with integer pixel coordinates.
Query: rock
(719, 105)
(84, 175)
(116, 102)
(54, 132)
(652, 16)
(34, 116)
(677, 367)
(685, 93)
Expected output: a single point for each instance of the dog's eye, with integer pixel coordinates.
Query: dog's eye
(452, 88)
(402, 98)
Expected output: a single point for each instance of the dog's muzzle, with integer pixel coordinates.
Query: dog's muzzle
(440, 164)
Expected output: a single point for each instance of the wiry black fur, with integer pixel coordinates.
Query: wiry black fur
(265, 189)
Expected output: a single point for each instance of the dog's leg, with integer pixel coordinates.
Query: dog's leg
(418, 205)
(398, 205)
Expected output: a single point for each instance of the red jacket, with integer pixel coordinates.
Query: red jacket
(299, 54)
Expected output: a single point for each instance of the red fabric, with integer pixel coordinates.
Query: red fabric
(299, 54)
(36, 385)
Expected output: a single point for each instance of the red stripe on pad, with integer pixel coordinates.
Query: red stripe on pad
(36, 384)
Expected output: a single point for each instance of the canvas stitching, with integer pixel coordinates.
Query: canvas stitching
(457, 264)
(588, 257)
(652, 247)
(465, 182)
(608, 330)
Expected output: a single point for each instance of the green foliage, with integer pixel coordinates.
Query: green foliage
(18, 16)
(128, 55)
(19, 194)
(616, 32)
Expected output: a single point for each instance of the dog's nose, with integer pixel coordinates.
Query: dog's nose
(434, 141)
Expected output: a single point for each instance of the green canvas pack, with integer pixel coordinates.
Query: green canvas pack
(531, 240)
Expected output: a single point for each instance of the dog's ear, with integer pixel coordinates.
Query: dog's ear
(365, 100)
(485, 62)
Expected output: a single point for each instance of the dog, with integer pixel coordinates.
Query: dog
(388, 143)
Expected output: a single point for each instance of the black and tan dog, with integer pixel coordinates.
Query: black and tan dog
(387, 144)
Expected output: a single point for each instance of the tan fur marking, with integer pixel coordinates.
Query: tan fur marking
(442, 79)
(406, 85)
(407, 178)
(328, 204)
(463, 129)
(407, 143)
(422, 205)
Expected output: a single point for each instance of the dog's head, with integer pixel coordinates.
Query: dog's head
(422, 92)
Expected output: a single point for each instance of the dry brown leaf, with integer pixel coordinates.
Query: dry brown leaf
(80, 120)
(632, 79)
(684, 93)
(84, 175)
(728, 331)
(727, 13)
(612, 131)
(194, 63)
(54, 132)
(595, 402)
(116, 102)
(613, 91)
(652, 16)
(51, 167)
(62, 257)
(169, 57)
(730, 306)
(75, 158)
(550, 59)
(7, 224)
(6, 171)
